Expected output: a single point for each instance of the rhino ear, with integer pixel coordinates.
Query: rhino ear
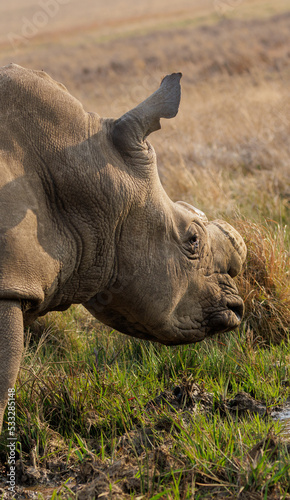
(130, 131)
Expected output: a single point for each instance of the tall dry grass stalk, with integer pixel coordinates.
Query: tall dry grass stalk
(265, 281)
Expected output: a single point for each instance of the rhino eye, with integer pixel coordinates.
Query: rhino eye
(193, 243)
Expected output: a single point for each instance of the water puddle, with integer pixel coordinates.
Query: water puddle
(284, 417)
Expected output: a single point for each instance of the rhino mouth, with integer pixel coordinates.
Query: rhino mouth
(228, 318)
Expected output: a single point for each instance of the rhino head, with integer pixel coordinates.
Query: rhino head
(173, 270)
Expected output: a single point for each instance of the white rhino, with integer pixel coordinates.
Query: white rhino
(85, 219)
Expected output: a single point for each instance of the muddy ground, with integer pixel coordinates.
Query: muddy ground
(97, 478)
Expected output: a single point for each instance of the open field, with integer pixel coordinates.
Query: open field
(90, 417)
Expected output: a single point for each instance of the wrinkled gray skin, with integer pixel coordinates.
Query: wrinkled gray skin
(84, 219)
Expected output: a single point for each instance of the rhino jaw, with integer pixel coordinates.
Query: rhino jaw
(178, 328)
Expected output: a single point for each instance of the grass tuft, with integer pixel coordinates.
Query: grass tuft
(265, 281)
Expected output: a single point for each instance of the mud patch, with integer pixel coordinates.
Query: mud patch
(191, 396)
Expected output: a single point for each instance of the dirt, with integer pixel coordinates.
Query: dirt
(190, 395)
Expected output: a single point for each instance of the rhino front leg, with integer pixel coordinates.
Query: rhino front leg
(11, 347)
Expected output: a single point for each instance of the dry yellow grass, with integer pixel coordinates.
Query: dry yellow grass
(265, 281)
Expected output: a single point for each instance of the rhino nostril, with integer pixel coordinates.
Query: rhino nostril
(237, 307)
